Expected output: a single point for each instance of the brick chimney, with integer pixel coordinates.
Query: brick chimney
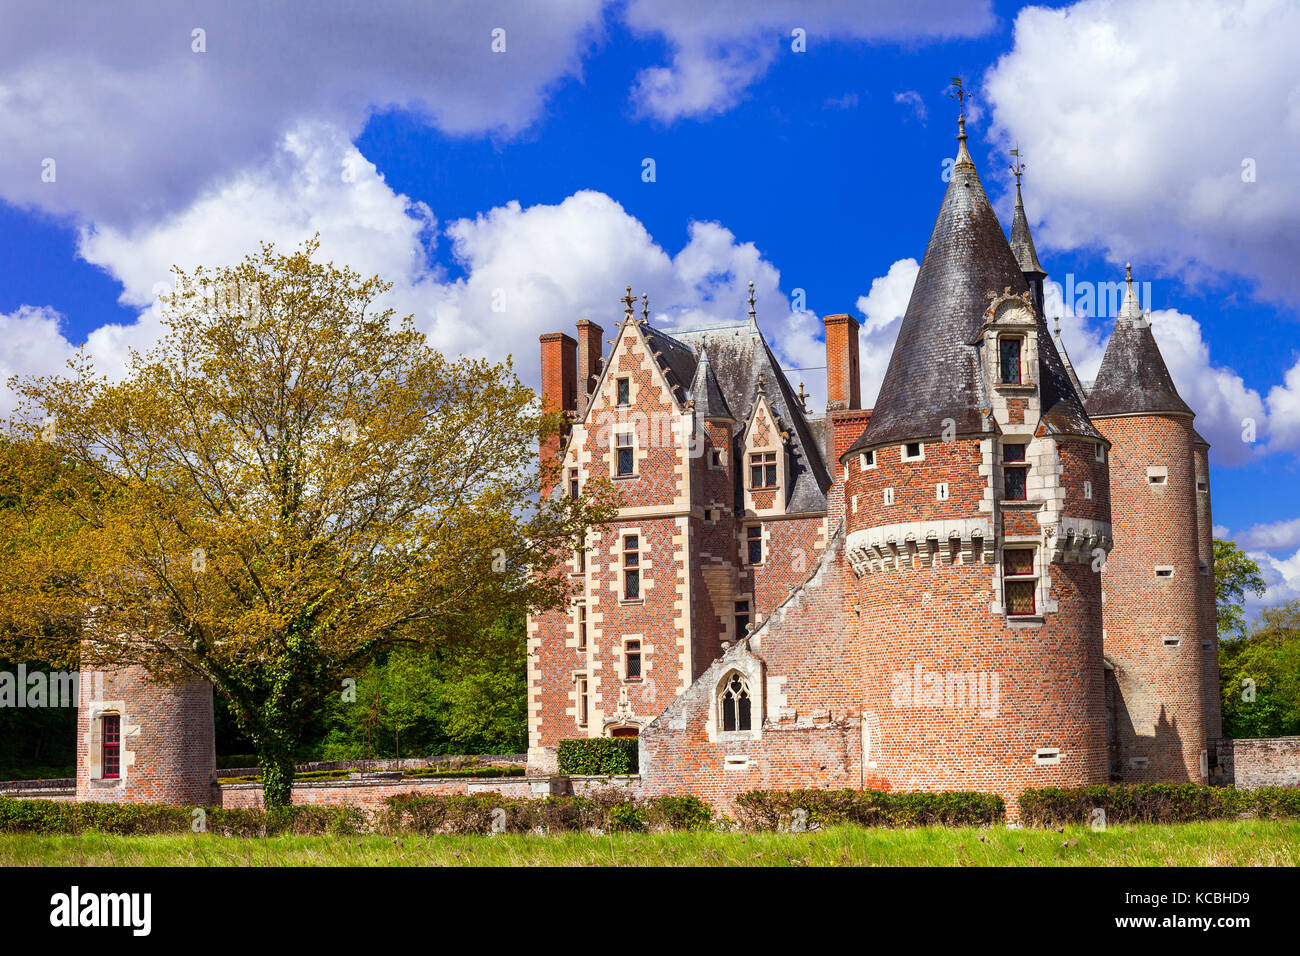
(589, 359)
(843, 382)
(559, 391)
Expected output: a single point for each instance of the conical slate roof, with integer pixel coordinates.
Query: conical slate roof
(1022, 243)
(933, 373)
(1133, 378)
(707, 393)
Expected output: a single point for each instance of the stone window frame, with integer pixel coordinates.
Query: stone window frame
(941, 492)
(1099, 451)
(737, 615)
(1016, 464)
(574, 484)
(920, 451)
(94, 751)
(115, 748)
(1034, 578)
(764, 465)
(1157, 476)
(641, 656)
(1019, 339)
(581, 699)
(867, 460)
(623, 567)
(1087, 490)
(725, 688)
(580, 624)
(751, 671)
(617, 432)
(887, 495)
(762, 544)
(631, 391)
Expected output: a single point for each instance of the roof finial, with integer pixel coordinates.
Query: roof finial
(1056, 322)
(627, 301)
(1018, 167)
(645, 307)
(803, 398)
(1128, 272)
(960, 93)
(753, 317)
(762, 386)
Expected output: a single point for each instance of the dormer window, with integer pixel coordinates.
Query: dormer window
(762, 470)
(1009, 347)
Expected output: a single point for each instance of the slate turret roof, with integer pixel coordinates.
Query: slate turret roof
(1022, 242)
(933, 373)
(1133, 378)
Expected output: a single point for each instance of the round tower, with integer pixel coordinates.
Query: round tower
(1156, 610)
(977, 519)
(141, 742)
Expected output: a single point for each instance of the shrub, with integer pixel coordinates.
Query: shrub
(1153, 803)
(777, 809)
(592, 756)
(678, 813)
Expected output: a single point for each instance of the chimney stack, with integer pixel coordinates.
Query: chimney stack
(559, 391)
(843, 381)
(590, 350)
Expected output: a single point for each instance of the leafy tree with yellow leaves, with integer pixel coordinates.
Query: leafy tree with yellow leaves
(288, 483)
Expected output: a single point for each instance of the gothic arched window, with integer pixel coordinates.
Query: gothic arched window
(735, 703)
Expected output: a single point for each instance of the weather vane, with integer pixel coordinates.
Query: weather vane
(960, 94)
(1018, 167)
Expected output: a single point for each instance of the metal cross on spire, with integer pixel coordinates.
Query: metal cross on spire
(753, 316)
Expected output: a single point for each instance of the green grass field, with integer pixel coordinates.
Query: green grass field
(1235, 843)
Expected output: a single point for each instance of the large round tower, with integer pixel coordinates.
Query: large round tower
(1157, 577)
(977, 521)
(141, 742)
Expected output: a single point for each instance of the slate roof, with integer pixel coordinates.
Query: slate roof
(1133, 378)
(933, 373)
(709, 400)
(737, 355)
(1022, 242)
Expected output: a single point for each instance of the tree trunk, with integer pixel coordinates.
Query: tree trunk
(277, 777)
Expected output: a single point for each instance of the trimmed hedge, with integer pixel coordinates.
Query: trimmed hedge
(485, 813)
(775, 809)
(133, 819)
(598, 756)
(1154, 803)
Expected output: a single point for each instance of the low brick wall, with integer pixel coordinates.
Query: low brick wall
(390, 763)
(64, 790)
(1260, 762)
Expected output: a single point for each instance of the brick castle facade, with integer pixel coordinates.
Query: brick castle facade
(993, 579)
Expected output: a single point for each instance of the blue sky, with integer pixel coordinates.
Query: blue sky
(419, 152)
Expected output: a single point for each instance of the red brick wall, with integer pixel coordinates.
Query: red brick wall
(169, 730)
(1162, 716)
(955, 462)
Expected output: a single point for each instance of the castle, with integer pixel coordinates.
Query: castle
(993, 579)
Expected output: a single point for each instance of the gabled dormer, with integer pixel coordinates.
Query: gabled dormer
(1008, 347)
(765, 458)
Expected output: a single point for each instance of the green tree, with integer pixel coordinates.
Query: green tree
(290, 483)
(1235, 575)
(1260, 676)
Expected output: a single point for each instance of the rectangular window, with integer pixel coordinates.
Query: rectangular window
(580, 560)
(573, 483)
(582, 627)
(631, 568)
(1019, 581)
(754, 544)
(624, 450)
(632, 654)
(762, 470)
(625, 391)
(715, 458)
(582, 699)
(1014, 474)
(1009, 359)
(913, 451)
(742, 619)
(868, 459)
(1099, 452)
(112, 746)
